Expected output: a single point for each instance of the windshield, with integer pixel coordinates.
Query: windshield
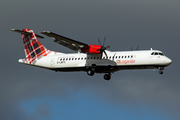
(157, 53)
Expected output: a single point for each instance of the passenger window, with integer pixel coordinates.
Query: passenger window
(122, 57)
(128, 56)
(78, 58)
(75, 58)
(119, 56)
(72, 58)
(131, 56)
(125, 56)
(81, 58)
(69, 58)
(152, 53)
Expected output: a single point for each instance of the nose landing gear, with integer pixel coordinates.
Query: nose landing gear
(160, 70)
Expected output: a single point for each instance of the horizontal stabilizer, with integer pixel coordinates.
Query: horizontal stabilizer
(23, 32)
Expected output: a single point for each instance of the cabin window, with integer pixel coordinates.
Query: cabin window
(91, 57)
(125, 56)
(85, 58)
(131, 56)
(122, 56)
(78, 58)
(119, 56)
(66, 58)
(128, 56)
(75, 58)
(116, 57)
(69, 58)
(72, 58)
(81, 58)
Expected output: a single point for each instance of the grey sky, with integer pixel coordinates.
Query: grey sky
(126, 23)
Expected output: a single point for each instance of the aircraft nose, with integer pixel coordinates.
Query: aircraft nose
(168, 61)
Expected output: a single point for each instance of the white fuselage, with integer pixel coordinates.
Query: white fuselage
(115, 61)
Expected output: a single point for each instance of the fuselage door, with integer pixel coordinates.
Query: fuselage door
(52, 62)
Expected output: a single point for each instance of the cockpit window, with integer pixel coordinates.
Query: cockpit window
(155, 53)
(161, 54)
(152, 53)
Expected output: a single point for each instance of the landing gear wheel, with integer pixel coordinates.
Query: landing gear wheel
(107, 76)
(160, 72)
(90, 72)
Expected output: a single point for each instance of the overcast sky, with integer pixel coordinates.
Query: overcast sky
(28, 92)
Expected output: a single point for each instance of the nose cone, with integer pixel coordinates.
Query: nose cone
(168, 61)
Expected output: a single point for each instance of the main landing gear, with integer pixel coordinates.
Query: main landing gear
(90, 72)
(107, 76)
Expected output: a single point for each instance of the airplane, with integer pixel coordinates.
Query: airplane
(89, 58)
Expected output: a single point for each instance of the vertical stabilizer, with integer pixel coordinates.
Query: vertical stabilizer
(32, 47)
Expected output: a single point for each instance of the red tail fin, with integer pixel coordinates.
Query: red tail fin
(32, 47)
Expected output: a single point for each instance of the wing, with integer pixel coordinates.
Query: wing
(67, 42)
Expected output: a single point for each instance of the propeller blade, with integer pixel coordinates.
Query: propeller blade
(101, 55)
(108, 46)
(105, 54)
(137, 47)
(99, 41)
(104, 41)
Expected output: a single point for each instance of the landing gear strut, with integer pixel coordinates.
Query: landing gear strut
(160, 70)
(107, 76)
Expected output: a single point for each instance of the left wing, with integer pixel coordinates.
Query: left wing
(67, 42)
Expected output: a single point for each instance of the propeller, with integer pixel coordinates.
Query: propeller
(102, 49)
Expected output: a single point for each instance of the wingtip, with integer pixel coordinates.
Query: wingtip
(45, 32)
(12, 29)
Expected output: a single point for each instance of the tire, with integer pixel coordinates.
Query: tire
(107, 77)
(90, 72)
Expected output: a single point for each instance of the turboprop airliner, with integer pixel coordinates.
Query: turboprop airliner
(89, 58)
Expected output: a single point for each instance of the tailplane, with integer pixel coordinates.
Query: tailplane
(32, 47)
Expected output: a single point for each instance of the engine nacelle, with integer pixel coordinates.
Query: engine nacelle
(92, 49)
